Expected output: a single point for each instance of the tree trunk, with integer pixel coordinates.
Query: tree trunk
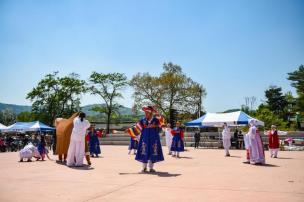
(108, 122)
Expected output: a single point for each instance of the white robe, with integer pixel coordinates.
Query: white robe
(76, 150)
(246, 141)
(29, 151)
(256, 150)
(168, 138)
(226, 136)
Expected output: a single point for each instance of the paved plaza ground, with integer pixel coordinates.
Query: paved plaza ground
(199, 175)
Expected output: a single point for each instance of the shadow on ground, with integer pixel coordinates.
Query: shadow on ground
(159, 174)
(235, 156)
(262, 165)
(182, 157)
(83, 167)
(267, 165)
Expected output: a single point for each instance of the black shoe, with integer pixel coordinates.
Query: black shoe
(152, 170)
(144, 170)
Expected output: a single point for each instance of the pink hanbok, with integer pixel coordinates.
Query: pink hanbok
(256, 149)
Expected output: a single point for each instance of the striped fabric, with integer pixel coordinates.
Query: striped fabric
(135, 130)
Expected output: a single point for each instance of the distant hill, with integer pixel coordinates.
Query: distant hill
(15, 108)
(232, 110)
(87, 109)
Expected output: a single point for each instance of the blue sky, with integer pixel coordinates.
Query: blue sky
(235, 49)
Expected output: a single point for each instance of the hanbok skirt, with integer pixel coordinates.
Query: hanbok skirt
(149, 146)
(94, 145)
(133, 144)
(177, 144)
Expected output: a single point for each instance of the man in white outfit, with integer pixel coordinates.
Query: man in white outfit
(168, 138)
(76, 150)
(226, 136)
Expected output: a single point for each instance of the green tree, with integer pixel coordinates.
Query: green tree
(107, 86)
(26, 116)
(171, 89)
(55, 97)
(71, 89)
(297, 80)
(276, 101)
(269, 117)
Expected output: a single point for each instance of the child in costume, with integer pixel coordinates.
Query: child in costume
(177, 141)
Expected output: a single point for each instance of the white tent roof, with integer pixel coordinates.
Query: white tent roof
(218, 119)
(2, 126)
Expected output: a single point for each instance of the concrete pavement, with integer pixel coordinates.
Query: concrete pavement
(200, 175)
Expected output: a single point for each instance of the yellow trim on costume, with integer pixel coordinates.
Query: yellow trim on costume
(131, 133)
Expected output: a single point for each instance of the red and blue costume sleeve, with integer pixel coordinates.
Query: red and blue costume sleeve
(135, 130)
(178, 132)
(88, 137)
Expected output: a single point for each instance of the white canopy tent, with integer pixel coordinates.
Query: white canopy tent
(2, 127)
(218, 119)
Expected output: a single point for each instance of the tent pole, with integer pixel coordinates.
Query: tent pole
(219, 138)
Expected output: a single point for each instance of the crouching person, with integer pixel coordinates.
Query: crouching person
(28, 152)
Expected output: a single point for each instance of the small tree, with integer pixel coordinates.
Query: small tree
(107, 86)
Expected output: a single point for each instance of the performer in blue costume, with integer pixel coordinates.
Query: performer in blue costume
(149, 149)
(41, 148)
(133, 145)
(94, 142)
(178, 140)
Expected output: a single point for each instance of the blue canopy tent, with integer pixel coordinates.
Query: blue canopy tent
(196, 122)
(218, 119)
(39, 126)
(18, 127)
(28, 126)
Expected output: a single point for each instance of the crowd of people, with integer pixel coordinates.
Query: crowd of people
(253, 142)
(15, 142)
(144, 141)
(145, 134)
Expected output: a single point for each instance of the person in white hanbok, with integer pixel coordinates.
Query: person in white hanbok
(28, 152)
(76, 150)
(168, 138)
(246, 142)
(226, 136)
